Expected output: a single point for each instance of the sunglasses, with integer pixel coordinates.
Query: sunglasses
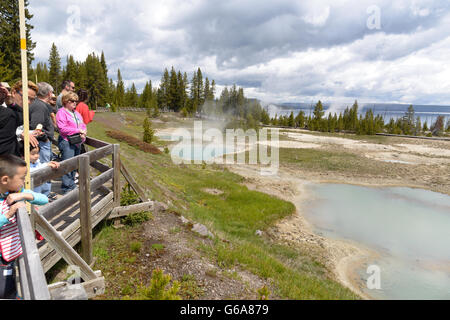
(30, 99)
(73, 101)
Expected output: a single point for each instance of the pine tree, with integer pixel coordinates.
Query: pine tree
(172, 93)
(131, 97)
(194, 94)
(110, 99)
(148, 131)
(146, 96)
(163, 93)
(104, 66)
(81, 79)
(438, 127)
(5, 73)
(240, 102)
(408, 121)
(10, 39)
(291, 122)
(96, 82)
(340, 123)
(318, 114)
(71, 71)
(300, 120)
(200, 88)
(368, 126)
(119, 98)
(181, 91)
(54, 62)
(354, 123)
(265, 118)
(206, 90)
(212, 91)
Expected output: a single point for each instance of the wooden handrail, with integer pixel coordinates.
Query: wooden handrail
(96, 143)
(51, 210)
(46, 174)
(31, 274)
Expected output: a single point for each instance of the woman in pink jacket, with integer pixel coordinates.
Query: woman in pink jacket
(70, 123)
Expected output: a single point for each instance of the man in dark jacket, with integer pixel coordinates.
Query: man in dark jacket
(8, 124)
(40, 114)
(12, 117)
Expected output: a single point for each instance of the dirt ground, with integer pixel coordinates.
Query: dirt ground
(181, 259)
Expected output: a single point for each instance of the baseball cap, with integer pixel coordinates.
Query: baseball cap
(5, 85)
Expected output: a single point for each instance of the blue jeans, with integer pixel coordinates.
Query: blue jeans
(44, 188)
(45, 155)
(68, 151)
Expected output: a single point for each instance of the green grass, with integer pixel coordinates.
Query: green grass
(330, 161)
(234, 216)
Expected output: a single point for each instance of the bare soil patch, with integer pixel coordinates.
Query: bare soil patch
(182, 259)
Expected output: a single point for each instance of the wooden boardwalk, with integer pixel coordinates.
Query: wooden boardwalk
(70, 220)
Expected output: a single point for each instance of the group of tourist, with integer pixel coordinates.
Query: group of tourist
(66, 114)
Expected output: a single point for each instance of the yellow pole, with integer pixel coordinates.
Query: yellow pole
(26, 115)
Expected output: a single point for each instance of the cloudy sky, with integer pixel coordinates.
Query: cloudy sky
(279, 51)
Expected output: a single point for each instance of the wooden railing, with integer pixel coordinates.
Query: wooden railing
(36, 260)
(128, 109)
(100, 110)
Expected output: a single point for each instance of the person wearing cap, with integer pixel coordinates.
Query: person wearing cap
(7, 99)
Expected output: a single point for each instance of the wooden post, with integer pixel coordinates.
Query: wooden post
(26, 115)
(116, 179)
(30, 263)
(85, 208)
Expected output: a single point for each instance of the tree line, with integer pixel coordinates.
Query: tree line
(351, 121)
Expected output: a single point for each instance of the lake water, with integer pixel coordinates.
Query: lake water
(410, 228)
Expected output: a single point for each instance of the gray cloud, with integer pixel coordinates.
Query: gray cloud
(283, 48)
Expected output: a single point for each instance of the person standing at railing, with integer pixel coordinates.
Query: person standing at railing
(83, 109)
(11, 118)
(40, 114)
(12, 178)
(72, 133)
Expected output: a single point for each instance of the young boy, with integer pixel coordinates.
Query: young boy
(12, 178)
(36, 164)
